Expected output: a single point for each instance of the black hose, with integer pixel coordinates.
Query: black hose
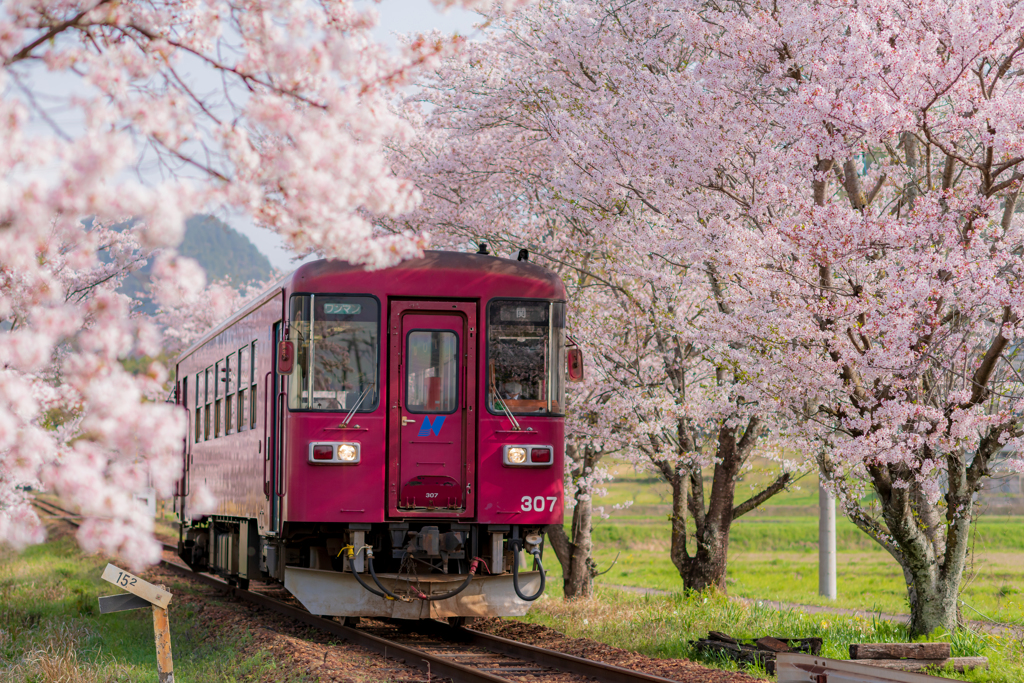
(516, 549)
(420, 594)
(362, 583)
(369, 562)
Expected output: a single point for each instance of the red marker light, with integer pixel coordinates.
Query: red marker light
(323, 453)
(540, 456)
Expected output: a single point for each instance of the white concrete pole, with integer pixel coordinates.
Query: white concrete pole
(826, 544)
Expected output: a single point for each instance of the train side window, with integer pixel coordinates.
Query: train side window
(218, 389)
(432, 372)
(198, 407)
(244, 374)
(252, 390)
(229, 394)
(208, 411)
(183, 400)
(525, 357)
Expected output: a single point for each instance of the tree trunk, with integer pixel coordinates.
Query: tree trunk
(576, 554)
(934, 606)
(932, 552)
(931, 590)
(706, 568)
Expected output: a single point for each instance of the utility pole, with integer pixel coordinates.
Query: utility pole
(826, 544)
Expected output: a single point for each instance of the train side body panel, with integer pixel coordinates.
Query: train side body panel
(232, 466)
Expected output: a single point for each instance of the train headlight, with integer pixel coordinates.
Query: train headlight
(333, 453)
(516, 455)
(528, 456)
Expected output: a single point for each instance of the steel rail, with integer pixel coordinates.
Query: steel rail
(412, 657)
(606, 673)
(417, 659)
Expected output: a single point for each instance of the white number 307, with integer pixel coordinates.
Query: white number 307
(537, 504)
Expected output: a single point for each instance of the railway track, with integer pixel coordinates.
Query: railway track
(462, 655)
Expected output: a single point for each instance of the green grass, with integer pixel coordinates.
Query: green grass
(773, 552)
(662, 626)
(51, 629)
(868, 577)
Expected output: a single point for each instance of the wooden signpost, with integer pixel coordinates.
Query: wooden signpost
(142, 594)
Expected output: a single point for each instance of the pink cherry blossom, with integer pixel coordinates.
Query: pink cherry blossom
(119, 121)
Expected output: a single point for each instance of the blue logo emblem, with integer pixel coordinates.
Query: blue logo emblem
(431, 426)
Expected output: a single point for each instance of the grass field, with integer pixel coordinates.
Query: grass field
(773, 552)
(51, 629)
(662, 626)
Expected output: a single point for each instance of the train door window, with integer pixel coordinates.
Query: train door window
(252, 390)
(526, 355)
(208, 411)
(432, 372)
(336, 353)
(244, 373)
(199, 407)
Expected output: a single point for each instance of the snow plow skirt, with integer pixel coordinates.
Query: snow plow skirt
(338, 594)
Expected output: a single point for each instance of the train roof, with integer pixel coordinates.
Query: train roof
(440, 264)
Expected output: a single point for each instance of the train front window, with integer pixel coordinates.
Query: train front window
(526, 357)
(336, 339)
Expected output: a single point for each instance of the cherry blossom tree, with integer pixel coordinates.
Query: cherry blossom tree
(585, 476)
(897, 291)
(844, 178)
(155, 111)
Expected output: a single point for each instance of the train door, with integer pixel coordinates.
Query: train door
(182, 398)
(273, 419)
(432, 375)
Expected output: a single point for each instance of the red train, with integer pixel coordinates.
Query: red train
(384, 443)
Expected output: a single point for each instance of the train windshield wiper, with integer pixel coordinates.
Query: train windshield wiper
(504, 408)
(362, 396)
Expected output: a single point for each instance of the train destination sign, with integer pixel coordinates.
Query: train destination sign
(342, 309)
(152, 594)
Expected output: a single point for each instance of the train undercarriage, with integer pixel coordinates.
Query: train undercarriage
(411, 570)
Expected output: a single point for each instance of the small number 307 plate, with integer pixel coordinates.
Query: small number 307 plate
(538, 503)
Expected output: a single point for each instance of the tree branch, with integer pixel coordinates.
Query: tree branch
(761, 496)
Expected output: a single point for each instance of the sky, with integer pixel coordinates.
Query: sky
(396, 17)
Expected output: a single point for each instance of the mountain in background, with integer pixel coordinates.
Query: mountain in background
(221, 250)
(224, 252)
